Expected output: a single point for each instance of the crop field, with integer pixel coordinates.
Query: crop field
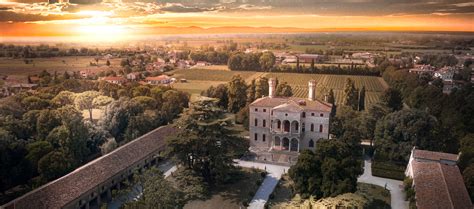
(10, 66)
(299, 82)
(210, 75)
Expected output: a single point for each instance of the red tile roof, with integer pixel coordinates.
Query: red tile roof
(437, 156)
(438, 185)
(305, 104)
(68, 188)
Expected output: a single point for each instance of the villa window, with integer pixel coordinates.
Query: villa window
(312, 127)
(320, 128)
(256, 109)
(279, 124)
(256, 137)
(264, 110)
(312, 114)
(256, 122)
(264, 137)
(321, 115)
(311, 143)
(264, 123)
(303, 127)
(304, 115)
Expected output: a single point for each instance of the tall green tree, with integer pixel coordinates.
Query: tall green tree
(351, 94)
(398, 132)
(157, 192)
(206, 142)
(251, 92)
(261, 88)
(284, 90)
(85, 101)
(362, 99)
(392, 98)
(237, 93)
(329, 171)
(267, 61)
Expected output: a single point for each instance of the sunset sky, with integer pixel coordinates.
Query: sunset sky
(116, 19)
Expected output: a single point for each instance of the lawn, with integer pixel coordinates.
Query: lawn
(366, 196)
(10, 66)
(230, 196)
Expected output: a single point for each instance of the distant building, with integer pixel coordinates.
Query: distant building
(445, 73)
(115, 80)
(86, 73)
(421, 69)
(308, 58)
(287, 124)
(202, 64)
(133, 76)
(158, 80)
(437, 181)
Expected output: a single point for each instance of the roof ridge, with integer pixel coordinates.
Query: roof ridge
(440, 165)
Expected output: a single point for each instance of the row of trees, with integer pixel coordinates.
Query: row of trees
(251, 61)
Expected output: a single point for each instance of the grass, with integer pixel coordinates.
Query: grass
(377, 195)
(366, 196)
(230, 196)
(195, 87)
(388, 170)
(10, 66)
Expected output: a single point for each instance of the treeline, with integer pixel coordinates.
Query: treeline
(438, 60)
(266, 62)
(44, 135)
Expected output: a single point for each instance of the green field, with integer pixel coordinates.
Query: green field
(299, 82)
(210, 74)
(10, 66)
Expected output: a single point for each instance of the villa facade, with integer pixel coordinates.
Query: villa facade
(288, 124)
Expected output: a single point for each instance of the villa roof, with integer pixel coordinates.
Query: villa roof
(439, 186)
(305, 104)
(290, 106)
(70, 187)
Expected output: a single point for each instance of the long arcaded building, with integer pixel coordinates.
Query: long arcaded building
(88, 185)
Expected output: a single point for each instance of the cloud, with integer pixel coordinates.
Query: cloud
(465, 4)
(180, 8)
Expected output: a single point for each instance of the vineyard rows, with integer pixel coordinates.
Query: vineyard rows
(299, 84)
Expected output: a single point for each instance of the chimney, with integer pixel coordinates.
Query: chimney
(271, 87)
(312, 90)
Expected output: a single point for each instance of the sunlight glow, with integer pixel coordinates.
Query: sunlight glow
(102, 32)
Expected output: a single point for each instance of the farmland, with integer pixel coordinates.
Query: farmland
(10, 66)
(201, 79)
(299, 82)
(210, 75)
